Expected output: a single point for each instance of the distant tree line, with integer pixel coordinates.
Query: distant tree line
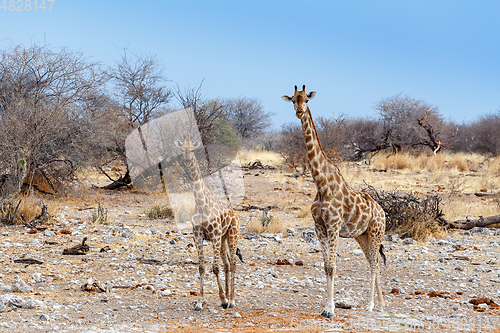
(402, 123)
(61, 112)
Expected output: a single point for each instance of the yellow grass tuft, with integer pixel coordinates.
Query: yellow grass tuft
(259, 154)
(422, 162)
(21, 210)
(159, 211)
(267, 223)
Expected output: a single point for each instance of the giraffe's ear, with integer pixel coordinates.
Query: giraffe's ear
(196, 144)
(286, 98)
(178, 143)
(311, 95)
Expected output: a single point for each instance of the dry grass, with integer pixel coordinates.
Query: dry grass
(267, 223)
(159, 211)
(304, 212)
(264, 156)
(21, 210)
(401, 161)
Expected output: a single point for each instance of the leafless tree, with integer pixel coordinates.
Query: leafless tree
(47, 98)
(408, 122)
(139, 88)
(139, 94)
(248, 116)
(484, 134)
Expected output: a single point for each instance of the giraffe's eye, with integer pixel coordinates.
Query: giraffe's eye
(307, 101)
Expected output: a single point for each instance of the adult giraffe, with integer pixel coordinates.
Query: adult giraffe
(338, 210)
(214, 221)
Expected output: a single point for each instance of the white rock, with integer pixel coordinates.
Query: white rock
(18, 285)
(357, 251)
(345, 303)
(48, 233)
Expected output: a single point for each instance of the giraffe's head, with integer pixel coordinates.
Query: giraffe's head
(187, 146)
(300, 99)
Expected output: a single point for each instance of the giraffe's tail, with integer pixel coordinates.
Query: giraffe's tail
(238, 253)
(381, 250)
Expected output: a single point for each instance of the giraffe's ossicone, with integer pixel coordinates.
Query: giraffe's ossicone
(338, 210)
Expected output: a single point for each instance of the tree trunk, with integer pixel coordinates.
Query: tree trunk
(122, 181)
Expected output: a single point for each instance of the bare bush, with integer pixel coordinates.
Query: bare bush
(484, 135)
(248, 116)
(409, 215)
(47, 100)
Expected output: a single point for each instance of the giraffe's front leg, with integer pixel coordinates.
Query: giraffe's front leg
(215, 269)
(199, 246)
(328, 238)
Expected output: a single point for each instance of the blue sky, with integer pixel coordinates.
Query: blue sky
(352, 53)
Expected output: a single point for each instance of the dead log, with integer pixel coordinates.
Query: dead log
(483, 194)
(77, 250)
(28, 261)
(252, 207)
(469, 224)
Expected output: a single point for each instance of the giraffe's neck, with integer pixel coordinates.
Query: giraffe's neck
(320, 164)
(198, 184)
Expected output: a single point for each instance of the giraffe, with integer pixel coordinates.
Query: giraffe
(338, 210)
(216, 222)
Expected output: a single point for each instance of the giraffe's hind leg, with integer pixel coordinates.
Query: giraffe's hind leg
(233, 237)
(371, 247)
(225, 261)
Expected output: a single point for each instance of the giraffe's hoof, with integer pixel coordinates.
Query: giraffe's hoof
(224, 305)
(327, 314)
(198, 308)
(231, 305)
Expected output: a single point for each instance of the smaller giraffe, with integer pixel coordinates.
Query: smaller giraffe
(216, 222)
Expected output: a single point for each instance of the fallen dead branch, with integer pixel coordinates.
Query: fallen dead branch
(77, 250)
(480, 222)
(252, 207)
(93, 285)
(28, 261)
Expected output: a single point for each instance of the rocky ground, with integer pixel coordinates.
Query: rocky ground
(141, 276)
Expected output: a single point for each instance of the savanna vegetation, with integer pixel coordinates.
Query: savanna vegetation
(62, 113)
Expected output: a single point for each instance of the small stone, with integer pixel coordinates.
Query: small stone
(345, 303)
(395, 239)
(17, 302)
(456, 307)
(18, 285)
(29, 304)
(357, 251)
(408, 241)
(44, 317)
(237, 315)
(166, 292)
(48, 233)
